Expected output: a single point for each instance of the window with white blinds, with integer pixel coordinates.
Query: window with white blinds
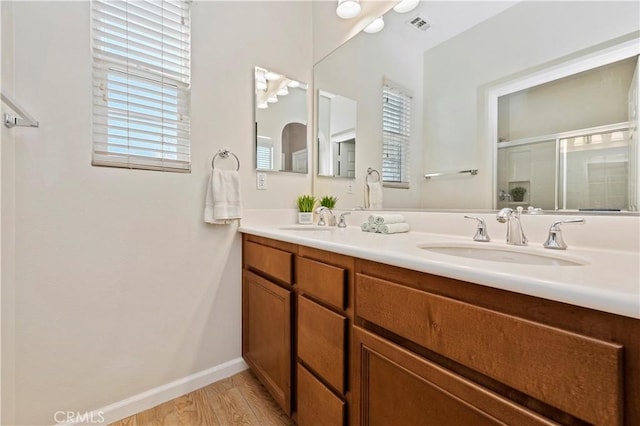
(396, 134)
(264, 157)
(141, 83)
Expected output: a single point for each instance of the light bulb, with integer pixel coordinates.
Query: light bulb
(293, 84)
(283, 91)
(406, 6)
(348, 9)
(263, 105)
(272, 99)
(376, 26)
(270, 75)
(261, 83)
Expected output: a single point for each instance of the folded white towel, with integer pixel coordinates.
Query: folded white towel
(380, 219)
(373, 195)
(369, 227)
(394, 228)
(223, 201)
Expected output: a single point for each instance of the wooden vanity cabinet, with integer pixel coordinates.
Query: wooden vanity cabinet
(296, 325)
(426, 338)
(324, 282)
(267, 309)
(338, 340)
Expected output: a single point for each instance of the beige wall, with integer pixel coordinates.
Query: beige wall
(456, 72)
(120, 286)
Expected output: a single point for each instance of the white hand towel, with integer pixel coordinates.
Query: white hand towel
(386, 219)
(369, 227)
(223, 201)
(394, 228)
(373, 195)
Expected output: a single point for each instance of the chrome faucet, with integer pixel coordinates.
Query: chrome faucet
(515, 234)
(481, 230)
(342, 222)
(555, 240)
(331, 219)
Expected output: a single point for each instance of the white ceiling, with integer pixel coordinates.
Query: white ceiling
(446, 19)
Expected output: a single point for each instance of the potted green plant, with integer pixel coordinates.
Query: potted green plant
(517, 193)
(328, 202)
(305, 209)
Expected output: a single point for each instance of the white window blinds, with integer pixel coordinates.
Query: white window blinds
(141, 81)
(396, 134)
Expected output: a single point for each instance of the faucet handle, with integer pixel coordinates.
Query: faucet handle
(342, 223)
(481, 231)
(555, 240)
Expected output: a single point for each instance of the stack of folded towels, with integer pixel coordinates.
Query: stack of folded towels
(385, 224)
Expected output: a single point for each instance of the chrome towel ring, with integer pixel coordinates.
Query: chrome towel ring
(224, 153)
(370, 172)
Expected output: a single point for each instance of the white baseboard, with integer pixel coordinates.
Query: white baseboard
(156, 396)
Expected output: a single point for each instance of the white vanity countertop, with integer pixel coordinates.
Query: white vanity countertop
(608, 281)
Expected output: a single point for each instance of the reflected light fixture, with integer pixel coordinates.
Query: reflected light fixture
(272, 99)
(263, 105)
(406, 6)
(284, 91)
(376, 26)
(348, 9)
(293, 84)
(270, 75)
(261, 83)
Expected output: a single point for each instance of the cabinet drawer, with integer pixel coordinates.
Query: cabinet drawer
(317, 405)
(399, 387)
(273, 262)
(577, 374)
(321, 341)
(323, 281)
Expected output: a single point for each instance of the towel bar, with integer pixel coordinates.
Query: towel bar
(224, 153)
(472, 172)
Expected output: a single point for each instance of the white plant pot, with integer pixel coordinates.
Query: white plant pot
(305, 218)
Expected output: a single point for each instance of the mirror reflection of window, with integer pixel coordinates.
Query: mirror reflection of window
(396, 134)
(281, 122)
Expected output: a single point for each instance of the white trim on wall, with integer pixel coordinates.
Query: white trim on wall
(158, 395)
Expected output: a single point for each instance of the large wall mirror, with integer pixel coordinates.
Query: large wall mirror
(336, 131)
(565, 140)
(281, 122)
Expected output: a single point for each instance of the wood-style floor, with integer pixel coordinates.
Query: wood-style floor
(237, 400)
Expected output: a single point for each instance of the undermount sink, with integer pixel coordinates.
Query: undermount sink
(307, 228)
(504, 255)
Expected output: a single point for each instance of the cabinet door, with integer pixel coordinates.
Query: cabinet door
(266, 335)
(396, 387)
(317, 405)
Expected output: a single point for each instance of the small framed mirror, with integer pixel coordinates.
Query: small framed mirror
(336, 135)
(281, 122)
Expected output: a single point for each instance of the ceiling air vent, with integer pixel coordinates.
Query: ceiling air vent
(419, 23)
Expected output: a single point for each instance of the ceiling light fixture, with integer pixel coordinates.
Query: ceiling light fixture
(293, 84)
(376, 26)
(406, 6)
(348, 9)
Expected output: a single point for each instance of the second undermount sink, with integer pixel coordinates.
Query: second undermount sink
(500, 254)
